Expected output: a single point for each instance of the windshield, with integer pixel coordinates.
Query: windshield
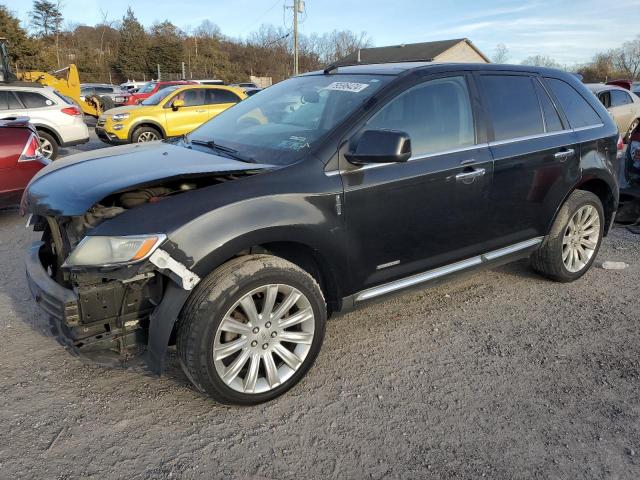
(147, 87)
(157, 97)
(286, 120)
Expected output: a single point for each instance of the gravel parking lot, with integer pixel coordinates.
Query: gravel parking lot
(500, 374)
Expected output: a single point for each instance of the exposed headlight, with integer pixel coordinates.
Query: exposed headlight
(104, 251)
(118, 117)
(119, 126)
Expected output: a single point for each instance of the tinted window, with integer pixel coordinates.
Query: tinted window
(34, 100)
(4, 101)
(221, 96)
(167, 85)
(86, 91)
(551, 118)
(513, 106)
(8, 101)
(576, 108)
(104, 90)
(436, 115)
(619, 98)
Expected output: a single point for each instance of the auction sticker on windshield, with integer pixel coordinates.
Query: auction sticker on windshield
(347, 86)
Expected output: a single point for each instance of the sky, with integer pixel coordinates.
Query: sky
(571, 32)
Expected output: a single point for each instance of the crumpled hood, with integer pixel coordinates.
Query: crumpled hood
(72, 185)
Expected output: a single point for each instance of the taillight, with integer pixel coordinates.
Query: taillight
(620, 146)
(31, 151)
(73, 111)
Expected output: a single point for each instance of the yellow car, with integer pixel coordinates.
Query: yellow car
(170, 112)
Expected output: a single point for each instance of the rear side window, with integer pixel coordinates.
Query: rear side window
(576, 108)
(513, 106)
(436, 115)
(552, 120)
(619, 98)
(34, 100)
(104, 90)
(221, 96)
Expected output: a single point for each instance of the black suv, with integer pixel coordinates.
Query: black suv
(325, 191)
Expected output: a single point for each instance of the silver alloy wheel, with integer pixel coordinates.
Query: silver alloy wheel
(45, 147)
(147, 137)
(264, 338)
(581, 238)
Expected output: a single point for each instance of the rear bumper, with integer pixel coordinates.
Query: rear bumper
(73, 134)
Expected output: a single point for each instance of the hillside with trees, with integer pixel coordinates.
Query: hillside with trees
(114, 51)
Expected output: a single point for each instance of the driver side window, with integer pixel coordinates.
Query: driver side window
(436, 114)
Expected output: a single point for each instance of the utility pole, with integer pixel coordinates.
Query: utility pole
(298, 7)
(295, 37)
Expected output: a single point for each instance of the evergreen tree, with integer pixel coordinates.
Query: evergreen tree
(166, 48)
(46, 18)
(23, 51)
(132, 48)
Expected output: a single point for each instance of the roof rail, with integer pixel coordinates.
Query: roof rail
(332, 66)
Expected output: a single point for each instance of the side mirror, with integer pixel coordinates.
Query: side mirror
(177, 104)
(381, 146)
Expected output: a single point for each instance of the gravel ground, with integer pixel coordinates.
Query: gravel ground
(500, 374)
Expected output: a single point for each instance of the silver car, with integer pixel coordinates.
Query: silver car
(114, 92)
(623, 105)
(59, 121)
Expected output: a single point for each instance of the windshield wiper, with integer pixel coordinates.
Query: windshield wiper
(230, 152)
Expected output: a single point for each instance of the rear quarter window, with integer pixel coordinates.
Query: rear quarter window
(576, 108)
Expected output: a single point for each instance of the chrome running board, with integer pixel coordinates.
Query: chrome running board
(445, 270)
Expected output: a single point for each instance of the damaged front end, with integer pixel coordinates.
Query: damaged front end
(103, 311)
(112, 297)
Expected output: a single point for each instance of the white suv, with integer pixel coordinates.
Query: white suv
(60, 122)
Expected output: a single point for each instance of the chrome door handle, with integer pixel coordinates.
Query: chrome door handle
(562, 156)
(469, 177)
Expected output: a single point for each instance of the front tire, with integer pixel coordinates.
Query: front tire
(574, 241)
(145, 134)
(251, 329)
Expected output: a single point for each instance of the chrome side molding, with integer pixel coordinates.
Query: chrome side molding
(445, 270)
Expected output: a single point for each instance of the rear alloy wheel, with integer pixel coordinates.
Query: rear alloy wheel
(632, 128)
(573, 243)
(146, 134)
(581, 238)
(48, 146)
(251, 329)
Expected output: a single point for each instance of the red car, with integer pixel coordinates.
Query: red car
(20, 158)
(150, 88)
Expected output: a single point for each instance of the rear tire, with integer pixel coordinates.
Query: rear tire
(244, 357)
(48, 145)
(571, 247)
(145, 134)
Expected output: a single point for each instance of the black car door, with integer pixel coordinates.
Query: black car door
(410, 217)
(536, 156)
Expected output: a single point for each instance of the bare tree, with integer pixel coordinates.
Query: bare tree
(500, 54)
(627, 58)
(541, 61)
